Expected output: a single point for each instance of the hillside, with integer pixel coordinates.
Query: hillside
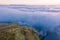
(16, 32)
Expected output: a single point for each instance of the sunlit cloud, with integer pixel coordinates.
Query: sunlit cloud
(38, 2)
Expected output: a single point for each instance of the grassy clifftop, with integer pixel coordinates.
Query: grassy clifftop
(16, 32)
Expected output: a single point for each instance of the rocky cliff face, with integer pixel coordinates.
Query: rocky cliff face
(15, 32)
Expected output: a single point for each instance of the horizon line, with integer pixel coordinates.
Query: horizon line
(29, 4)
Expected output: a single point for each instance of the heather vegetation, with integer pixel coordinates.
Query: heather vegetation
(16, 32)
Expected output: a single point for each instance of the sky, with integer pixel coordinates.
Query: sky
(31, 2)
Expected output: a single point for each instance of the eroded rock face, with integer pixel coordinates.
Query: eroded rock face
(15, 32)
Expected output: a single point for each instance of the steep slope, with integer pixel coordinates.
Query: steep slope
(15, 32)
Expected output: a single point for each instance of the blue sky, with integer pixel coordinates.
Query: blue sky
(32, 2)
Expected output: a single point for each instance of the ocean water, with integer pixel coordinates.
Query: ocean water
(44, 18)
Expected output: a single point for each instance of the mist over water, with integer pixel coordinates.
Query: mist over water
(46, 20)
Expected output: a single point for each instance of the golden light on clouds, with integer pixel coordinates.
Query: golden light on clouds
(32, 2)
